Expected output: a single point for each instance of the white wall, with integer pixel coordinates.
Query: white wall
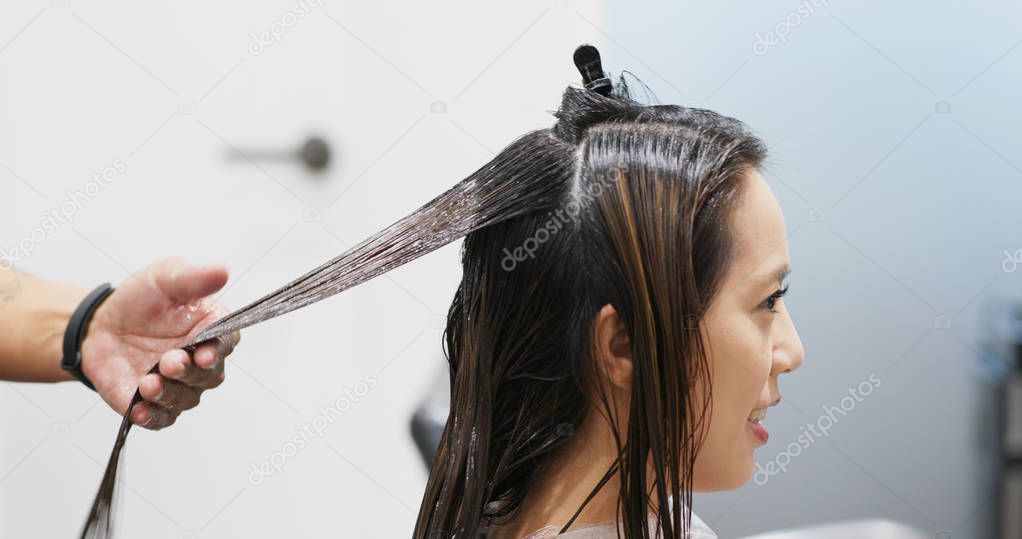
(86, 84)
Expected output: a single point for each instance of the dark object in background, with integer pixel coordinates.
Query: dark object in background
(430, 417)
(314, 154)
(428, 427)
(1005, 408)
(1011, 476)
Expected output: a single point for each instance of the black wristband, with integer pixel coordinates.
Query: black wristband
(76, 329)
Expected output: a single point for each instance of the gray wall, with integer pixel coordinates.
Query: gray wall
(917, 202)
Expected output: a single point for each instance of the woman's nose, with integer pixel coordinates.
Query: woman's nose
(788, 351)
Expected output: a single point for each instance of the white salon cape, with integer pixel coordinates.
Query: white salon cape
(607, 530)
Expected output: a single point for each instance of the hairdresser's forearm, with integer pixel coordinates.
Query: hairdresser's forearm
(33, 316)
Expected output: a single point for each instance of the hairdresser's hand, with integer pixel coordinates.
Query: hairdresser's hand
(144, 321)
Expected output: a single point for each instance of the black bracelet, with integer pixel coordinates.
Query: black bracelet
(76, 329)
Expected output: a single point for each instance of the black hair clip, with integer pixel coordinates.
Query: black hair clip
(587, 60)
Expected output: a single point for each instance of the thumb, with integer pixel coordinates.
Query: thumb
(185, 283)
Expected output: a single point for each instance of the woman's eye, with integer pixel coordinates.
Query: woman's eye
(771, 303)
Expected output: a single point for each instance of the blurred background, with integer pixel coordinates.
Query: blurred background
(893, 131)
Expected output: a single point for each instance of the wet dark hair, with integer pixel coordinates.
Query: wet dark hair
(637, 219)
(619, 203)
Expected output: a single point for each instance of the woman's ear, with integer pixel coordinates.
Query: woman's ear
(614, 347)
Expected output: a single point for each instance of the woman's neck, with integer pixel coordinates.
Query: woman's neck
(569, 478)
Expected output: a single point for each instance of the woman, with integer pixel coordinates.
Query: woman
(618, 332)
(622, 346)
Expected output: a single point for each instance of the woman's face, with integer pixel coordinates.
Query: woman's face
(751, 340)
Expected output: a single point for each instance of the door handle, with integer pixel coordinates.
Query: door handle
(313, 154)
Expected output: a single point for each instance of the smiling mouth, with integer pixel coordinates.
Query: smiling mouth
(755, 423)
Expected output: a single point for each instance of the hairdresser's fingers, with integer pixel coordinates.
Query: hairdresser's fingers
(185, 283)
(169, 394)
(178, 365)
(152, 416)
(208, 354)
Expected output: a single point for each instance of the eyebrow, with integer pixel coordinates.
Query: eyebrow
(777, 276)
(783, 273)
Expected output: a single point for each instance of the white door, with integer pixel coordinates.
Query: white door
(161, 101)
